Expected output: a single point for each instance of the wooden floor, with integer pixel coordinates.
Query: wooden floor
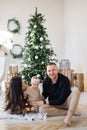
(51, 123)
(42, 125)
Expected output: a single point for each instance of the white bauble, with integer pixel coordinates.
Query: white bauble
(29, 59)
(42, 62)
(41, 38)
(31, 34)
(36, 57)
(35, 26)
(38, 75)
(41, 47)
(23, 76)
(36, 47)
(25, 65)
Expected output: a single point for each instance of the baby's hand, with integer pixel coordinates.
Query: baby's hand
(40, 103)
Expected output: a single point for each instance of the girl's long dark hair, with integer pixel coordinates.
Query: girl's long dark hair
(14, 100)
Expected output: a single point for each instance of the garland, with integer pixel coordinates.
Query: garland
(16, 22)
(15, 55)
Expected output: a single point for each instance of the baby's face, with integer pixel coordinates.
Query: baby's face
(35, 85)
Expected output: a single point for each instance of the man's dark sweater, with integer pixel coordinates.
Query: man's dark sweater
(57, 93)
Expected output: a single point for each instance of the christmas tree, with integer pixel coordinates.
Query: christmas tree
(37, 49)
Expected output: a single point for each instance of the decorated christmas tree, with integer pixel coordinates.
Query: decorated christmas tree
(37, 49)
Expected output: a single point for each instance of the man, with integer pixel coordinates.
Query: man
(61, 100)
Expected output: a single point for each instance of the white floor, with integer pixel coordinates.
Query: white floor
(83, 98)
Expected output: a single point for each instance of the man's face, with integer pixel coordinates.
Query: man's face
(52, 71)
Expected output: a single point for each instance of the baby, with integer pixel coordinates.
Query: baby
(35, 99)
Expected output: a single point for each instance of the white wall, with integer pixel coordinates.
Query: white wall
(76, 35)
(22, 9)
(66, 23)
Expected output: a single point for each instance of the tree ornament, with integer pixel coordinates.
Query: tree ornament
(35, 26)
(23, 76)
(41, 38)
(25, 65)
(29, 59)
(41, 47)
(38, 75)
(31, 34)
(36, 57)
(36, 47)
(42, 62)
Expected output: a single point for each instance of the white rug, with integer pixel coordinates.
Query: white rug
(29, 117)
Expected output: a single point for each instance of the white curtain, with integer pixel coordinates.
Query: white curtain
(2, 65)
